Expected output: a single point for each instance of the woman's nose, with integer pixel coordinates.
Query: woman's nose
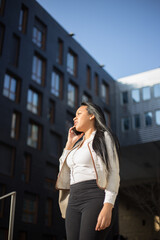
(74, 118)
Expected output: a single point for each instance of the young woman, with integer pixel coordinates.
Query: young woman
(89, 176)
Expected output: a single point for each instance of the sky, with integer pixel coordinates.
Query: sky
(124, 35)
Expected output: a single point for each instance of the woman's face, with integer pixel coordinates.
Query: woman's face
(82, 121)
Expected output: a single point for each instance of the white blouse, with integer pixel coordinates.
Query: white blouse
(81, 167)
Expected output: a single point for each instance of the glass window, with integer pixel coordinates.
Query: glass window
(15, 125)
(10, 87)
(136, 121)
(38, 70)
(7, 159)
(136, 95)
(124, 97)
(33, 101)
(88, 77)
(34, 134)
(72, 63)
(23, 19)
(14, 53)
(26, 168)
(158, 117)
(125, 124)
(50, 176)
(2, 3)
(146, 93)
(60, 52)
(39, 34)
(157, 90)
(48, 212)
(107, 118)
(2, 192)
(148, 118)
(51, 113)
(96, 81)
(105, 92)
(86, 98)
(30, 207)
(1, 37)
(72, 95)
(56, 83)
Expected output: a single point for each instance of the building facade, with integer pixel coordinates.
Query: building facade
(44, 76)
(138, 129)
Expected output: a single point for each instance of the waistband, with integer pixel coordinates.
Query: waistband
(84, 185)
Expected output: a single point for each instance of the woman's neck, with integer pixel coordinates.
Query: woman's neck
(88, 133)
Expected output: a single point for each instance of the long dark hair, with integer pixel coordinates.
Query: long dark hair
(99, 144)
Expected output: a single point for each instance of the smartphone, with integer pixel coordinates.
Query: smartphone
(75, 131)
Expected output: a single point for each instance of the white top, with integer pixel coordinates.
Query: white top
(81, 167)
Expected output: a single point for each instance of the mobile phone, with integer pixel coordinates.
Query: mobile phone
(76, 132)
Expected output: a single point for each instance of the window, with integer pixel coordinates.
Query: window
(48, 212)
(56, 83)
(72, 95)
(125, 124)
(105, 92)
(3, 234)
(2, 192)
(60, 52)
(15, 125)
(124, 96)
(96, 83)
(136, 121)
(86, 98)
(1, 37)
(148, 119)
(72, 63)
(34, 102)
(2, 3)
(39, 34)
(30, 208)
(34, 135)
(135, 95)
(157, 117)
(50, 176)
(69, 121)
(157, 90)
(51, 113)
(15, 50)
(26, 171)
(146, 94)
(7, 159)
(107, 118)
(11, 87)
(22, 236)
(55, 145)
(88, 77)
(38, 70)
(23, 19)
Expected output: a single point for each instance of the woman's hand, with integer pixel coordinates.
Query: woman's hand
(72, 138)
(104, 218)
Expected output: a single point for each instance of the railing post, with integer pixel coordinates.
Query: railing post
(12, 214)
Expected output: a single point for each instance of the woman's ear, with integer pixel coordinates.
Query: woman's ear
(92, 117)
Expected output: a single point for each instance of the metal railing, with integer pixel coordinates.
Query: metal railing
(12, 213)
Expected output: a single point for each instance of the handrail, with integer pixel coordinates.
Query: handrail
(12, 213)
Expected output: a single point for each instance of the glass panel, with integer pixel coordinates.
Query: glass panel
(13, 86)
(21, 20)
(124, 97)
(136, 121)
(146, 93)
(157, 90)
(135, 95)
(125, 124)
(70, 63)
(71, 95)
(6, 81)
(148, 119)
(158, 117)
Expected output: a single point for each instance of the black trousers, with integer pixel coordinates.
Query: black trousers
(85, 203)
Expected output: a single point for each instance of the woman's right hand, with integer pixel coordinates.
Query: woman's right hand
(72, 138)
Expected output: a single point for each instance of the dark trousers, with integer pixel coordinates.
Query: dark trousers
(85, 203)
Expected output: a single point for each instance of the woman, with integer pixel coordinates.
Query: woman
(89, 176)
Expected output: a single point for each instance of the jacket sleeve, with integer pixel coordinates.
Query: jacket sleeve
(62, 158)
(113, 172)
